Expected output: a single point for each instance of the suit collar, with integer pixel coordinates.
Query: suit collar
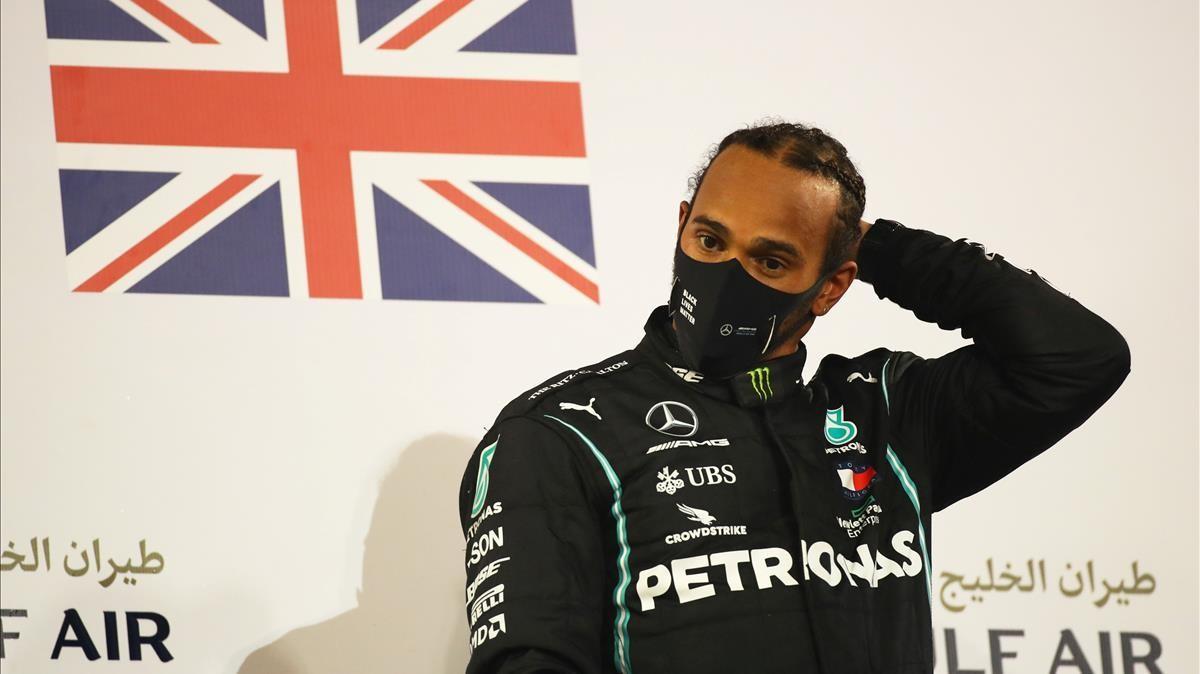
(769, 381)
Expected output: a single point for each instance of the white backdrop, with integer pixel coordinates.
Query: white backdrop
(295, 461)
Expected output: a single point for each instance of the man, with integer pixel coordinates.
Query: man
(693, 505)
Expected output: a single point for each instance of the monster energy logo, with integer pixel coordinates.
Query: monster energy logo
(483, 477)
(760, 379)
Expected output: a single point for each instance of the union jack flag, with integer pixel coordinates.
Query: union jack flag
(398, 149)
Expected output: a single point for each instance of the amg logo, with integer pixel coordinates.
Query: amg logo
(672, 444)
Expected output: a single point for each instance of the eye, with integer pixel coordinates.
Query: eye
(708, 241)
(773, 264)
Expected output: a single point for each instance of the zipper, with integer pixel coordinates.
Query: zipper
(794, 503)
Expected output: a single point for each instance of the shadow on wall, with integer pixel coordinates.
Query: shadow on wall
(410, 615)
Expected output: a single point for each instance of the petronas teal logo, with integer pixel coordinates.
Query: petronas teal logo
(760, 379)
(482, 477)
(838, 431)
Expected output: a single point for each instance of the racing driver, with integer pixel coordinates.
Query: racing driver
(692, 504)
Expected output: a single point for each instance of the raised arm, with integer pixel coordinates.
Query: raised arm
(534, 555)
(1040, 365)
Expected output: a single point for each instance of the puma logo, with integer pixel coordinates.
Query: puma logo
(582, 408)
(869, 378)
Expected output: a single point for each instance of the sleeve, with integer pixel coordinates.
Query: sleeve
(1040, 365)
(535, 569)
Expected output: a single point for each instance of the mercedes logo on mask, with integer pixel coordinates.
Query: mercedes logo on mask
(672, 418)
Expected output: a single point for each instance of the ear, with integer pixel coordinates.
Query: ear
(683, 213)
(837, 285)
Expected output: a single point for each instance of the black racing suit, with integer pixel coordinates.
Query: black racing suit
(632, 515)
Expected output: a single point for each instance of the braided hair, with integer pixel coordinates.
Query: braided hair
(810, 149)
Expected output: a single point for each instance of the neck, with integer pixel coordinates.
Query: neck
(784, 349)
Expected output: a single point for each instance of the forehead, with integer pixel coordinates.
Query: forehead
(756, 195)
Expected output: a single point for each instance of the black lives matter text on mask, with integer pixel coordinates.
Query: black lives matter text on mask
(687, 304)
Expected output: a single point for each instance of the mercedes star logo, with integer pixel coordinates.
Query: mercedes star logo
(672, 418)
(726, 330)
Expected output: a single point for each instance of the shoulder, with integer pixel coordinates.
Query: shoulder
(524, 451)
(527, 414)
(836, 369)
(522, 462)
(880, 366)
(545, 395)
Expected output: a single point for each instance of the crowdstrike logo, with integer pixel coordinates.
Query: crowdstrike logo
(710, 528)
(673, 418)
(696, 514)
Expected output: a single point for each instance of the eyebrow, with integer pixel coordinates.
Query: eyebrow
(762, 243)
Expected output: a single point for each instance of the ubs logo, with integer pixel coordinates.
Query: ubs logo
(673, 418)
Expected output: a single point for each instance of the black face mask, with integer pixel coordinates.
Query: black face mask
(725, 319)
